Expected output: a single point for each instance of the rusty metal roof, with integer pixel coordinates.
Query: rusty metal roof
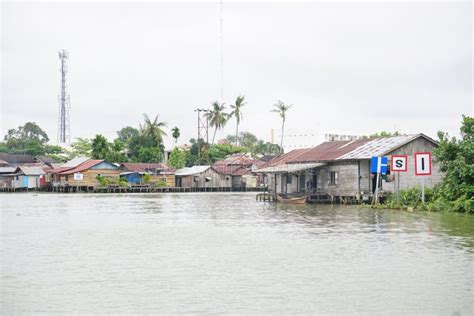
(328, 151)
(145, 167)
(285, 158)
(292, 167)
(84, 166)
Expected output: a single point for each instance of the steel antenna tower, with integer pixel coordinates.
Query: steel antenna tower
(64, 135)
(203, 128)
(222, 50)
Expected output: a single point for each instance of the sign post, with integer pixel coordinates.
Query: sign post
(399, 163)
(423, 168)
(378, 165)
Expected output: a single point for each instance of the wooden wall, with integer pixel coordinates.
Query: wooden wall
(217, 180)
(89, 178)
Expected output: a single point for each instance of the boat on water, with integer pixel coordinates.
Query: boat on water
(292, 200)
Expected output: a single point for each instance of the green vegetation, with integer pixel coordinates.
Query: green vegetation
(29, 139)
(161, 184)
(455, 193)
(123, 182)
(177, 158)
(146, 178)
(103, 181)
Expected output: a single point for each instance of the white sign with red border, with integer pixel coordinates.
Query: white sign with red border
(399, 163)
(423, 164)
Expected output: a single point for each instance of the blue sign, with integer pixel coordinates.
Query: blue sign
(379, 165)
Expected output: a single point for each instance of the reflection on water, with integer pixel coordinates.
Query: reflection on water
(221, 253)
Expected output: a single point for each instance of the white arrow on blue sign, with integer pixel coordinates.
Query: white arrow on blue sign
(379, 165)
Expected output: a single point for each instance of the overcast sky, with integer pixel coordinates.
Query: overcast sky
(347, 67)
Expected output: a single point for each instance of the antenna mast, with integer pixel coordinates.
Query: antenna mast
(64, 135)
(222, 51)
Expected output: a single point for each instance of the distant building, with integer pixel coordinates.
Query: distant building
(239, 168)
(202, 177)
(158, 172)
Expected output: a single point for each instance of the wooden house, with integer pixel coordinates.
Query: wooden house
(29, 177)
(342, 168)
(239, 168)
(158, 172)
(202, 177)
(7, 175)
(85, 174)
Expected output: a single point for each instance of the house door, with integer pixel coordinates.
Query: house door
(314, 183)
(302, 183)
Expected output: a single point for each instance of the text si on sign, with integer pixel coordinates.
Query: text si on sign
(399, 163)
(423, 164)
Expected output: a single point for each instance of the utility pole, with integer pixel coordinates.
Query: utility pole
(64, 133)
(203, 128)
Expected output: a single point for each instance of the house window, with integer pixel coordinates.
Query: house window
(289, 179)
(66, 178)
(333, 178)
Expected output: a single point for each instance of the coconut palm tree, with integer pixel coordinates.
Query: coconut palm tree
(175, 132)
(153, 129)
(237, 112)
(217, 117)
(281, 108)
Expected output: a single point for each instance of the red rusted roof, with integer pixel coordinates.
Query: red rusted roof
(58, 170)
(285, 158)
(328, 151)
(232, 170)
(83, 166)
(144, 167)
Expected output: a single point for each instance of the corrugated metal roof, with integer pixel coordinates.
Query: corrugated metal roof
(188, 171)
(291, 167)
(74, 162)
(377, 147)
(284, 158)
(84, 166)
(143, 167)
(30, 171)
(7, 169)
(328, 151)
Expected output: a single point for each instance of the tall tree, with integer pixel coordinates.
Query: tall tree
(153, 129)
(100, 147)
(176, 133)
(217, 117)
(281, 108)
(237, 113)
(126, 133)
(27, 139)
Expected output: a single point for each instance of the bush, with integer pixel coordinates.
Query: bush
(103, 181)
(123, 182)
(146, 178)
(161, 184)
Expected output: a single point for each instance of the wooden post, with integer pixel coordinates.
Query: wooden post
(423, 190)
(398, 188)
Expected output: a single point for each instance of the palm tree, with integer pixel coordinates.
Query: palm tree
(217, 117)
(281, 108)
(175, 133)
(153, 129)
(237, 112)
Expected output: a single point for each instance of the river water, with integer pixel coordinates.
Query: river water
(226, 253)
